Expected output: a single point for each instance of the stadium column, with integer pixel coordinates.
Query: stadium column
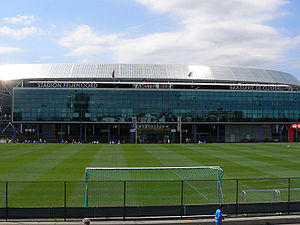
(81, 111)
(61, 132)
(14, 138)
(261, 132)
(194, 115)
(179, 126)
(239, 133)
(297, 116)
(218, 135)
(84, 133)
(108, 133)
(280, 137)
(173, 134)
(136, 135)
(195, 133)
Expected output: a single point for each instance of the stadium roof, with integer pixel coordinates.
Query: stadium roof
(167, 72)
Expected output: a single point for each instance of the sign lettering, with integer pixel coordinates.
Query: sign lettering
(153, 126)
(153, 86)
(259, 88)
(66, 85)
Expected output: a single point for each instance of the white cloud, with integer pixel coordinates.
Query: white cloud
(19, 19)
(47, 57)
(84, 41)
(214, 32)
(231, 32)
(18, 34)
(216, 10)
(8, 50)
(85, 50)
(24, 28)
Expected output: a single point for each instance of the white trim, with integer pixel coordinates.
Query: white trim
(142, 89)
(160, 82)
(151, 168)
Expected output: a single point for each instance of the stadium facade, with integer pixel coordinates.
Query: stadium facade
(147, 103)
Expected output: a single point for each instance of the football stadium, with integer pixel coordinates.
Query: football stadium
(127, 141)
(146, 103)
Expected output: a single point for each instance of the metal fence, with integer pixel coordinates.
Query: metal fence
(137, 193)
(183, 195)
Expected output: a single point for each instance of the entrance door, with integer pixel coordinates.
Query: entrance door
(154, 135)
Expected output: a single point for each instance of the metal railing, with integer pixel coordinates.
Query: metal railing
(131, 194)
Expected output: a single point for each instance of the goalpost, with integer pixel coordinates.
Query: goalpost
(110, 184)
(267, 195)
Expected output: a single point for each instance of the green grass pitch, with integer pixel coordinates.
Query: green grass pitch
(67, 162)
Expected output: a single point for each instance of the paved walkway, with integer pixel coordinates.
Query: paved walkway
(263, 220)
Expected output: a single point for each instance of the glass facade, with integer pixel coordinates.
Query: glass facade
(153, 106)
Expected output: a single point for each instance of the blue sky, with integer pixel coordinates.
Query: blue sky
(239, 33)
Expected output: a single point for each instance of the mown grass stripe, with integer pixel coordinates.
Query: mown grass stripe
(232, 164)
(72, 168)
(264, 164)
(4, 148)
(168, 157)
(33, 170)
(109, 156)
(137, 156)
(48, 161)
(173, 159)
(19, 149)
(267, 152)
(22, 193)
(26, 155)
(228, 166)
(204, 156)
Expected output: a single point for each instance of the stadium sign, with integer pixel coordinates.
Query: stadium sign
(153, 86)
(260, 88)
(67, 85)
(153, 126)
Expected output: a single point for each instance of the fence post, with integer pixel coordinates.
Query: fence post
(289, 195)
(181, 200)
(236, 197)
(124, 202)
(65, 199)
(6, 201)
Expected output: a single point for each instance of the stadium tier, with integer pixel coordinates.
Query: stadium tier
(146, 103)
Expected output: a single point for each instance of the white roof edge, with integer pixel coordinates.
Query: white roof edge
(145, 71)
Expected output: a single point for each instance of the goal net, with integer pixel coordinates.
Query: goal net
(270, 195)
(264, 195)
(152, 186)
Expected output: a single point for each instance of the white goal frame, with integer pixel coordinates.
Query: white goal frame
(218, 178)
